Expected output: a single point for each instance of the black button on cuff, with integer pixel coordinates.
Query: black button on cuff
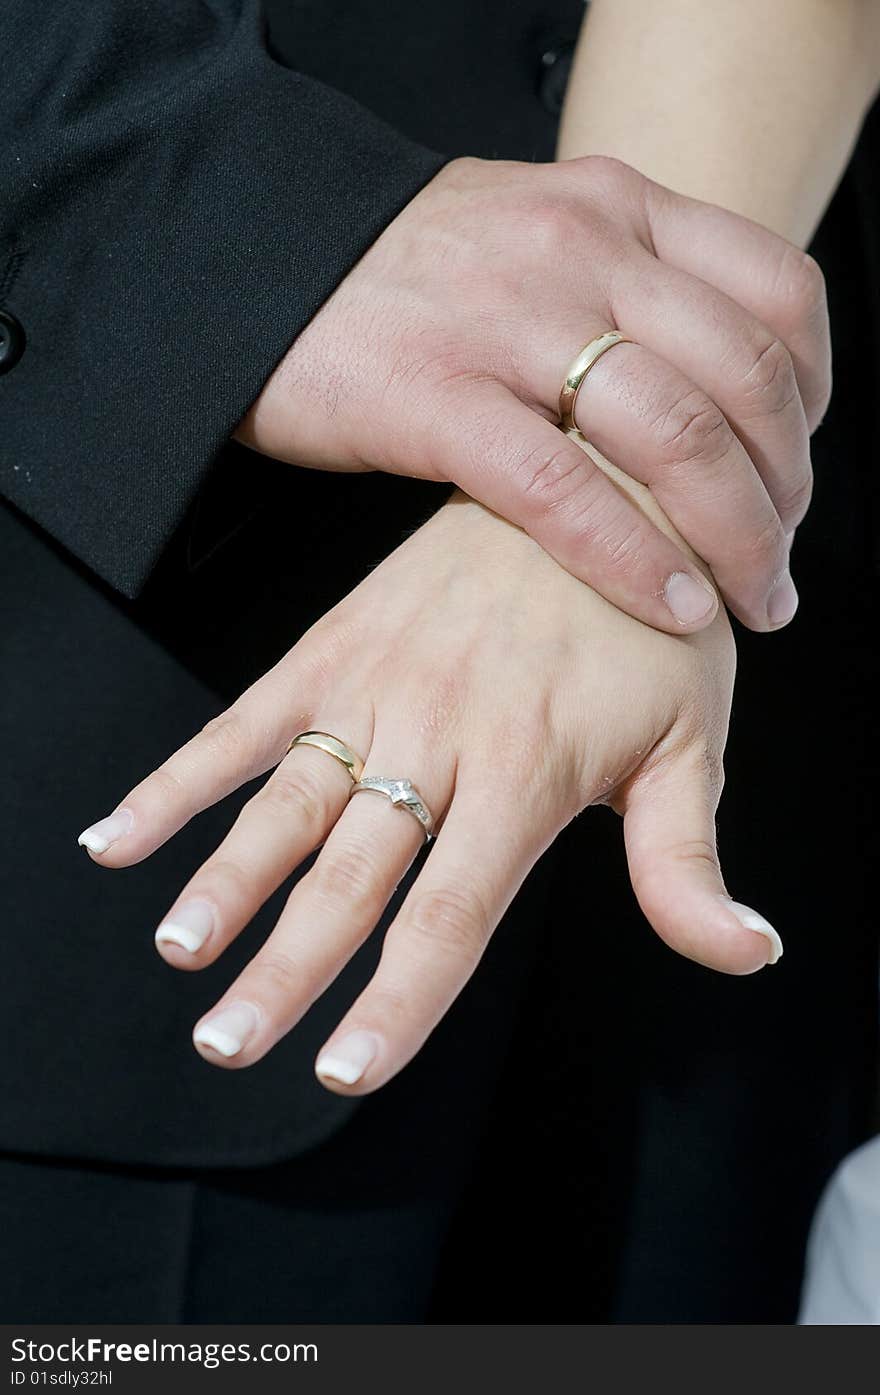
(12, 341)
(556, 67)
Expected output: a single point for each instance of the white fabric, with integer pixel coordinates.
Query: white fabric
(842, 1282)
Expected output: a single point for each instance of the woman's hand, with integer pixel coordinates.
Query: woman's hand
(443, 351)
(513, 697)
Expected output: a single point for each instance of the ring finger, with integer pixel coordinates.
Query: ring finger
(330, 911)
(657, 425)
(276, 830)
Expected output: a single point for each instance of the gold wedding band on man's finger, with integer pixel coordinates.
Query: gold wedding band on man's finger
(578, 371)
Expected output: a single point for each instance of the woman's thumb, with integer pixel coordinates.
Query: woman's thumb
(669, 827)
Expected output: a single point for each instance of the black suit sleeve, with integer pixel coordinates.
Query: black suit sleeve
(174, 207)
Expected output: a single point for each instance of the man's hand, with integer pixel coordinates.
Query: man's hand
(447, 344)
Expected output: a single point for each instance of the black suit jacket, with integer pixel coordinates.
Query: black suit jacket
(176, 202)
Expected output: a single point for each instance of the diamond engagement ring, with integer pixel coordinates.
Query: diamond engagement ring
(400, 792)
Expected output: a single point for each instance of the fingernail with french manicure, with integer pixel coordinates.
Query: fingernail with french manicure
(98, 837)
(228, 1030)
(689, 600)
(188, 926)
(782, 601)
(347, 1059)
(752, 921)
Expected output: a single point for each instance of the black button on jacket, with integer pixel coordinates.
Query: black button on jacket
(11, 341)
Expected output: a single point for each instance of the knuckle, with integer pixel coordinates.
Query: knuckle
(548, 226)
(440, 698)
(650, 876)
(801, 292)
(346, 873)
(392, 1006)
(805, 283)
(550, 477)
(451, 919)
(693, 430)
(765, 545)
(326, 645)
(624, 546)
(279, 972)
(607, 171)
(224, 734)
(164, 787)
(696, 850)
(620, 203)
(795, 499)
(297, 789)
(230, 884)
(770, 379)
(466, 165)
(608, 527)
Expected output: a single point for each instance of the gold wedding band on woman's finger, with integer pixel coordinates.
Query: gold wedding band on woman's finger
(402, 793)
(323, 741)
(579, 369)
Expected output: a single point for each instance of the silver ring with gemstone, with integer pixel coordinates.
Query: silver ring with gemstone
(403, 793)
